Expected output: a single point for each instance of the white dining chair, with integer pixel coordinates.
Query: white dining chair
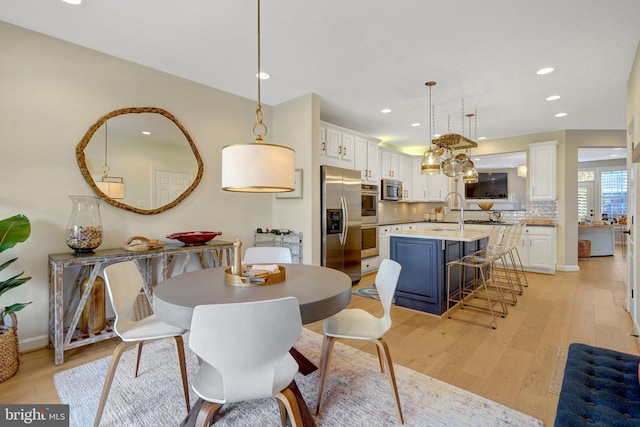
(357, 324)
(267, 255)
(124, 282)
(246, 356)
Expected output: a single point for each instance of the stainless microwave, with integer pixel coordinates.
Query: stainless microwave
(391, 189)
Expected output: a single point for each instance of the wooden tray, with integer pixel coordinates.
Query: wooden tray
(269, 279)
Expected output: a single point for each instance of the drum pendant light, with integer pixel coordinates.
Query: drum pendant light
(258, 167)
(430, 162)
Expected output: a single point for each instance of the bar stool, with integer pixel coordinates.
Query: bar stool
(505, 275)
(516, 261)
(481, 286)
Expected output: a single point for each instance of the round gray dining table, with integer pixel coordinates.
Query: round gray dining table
(321, 292)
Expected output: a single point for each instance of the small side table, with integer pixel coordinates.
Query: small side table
(63, 338)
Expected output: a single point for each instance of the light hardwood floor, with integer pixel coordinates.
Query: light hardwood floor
(511, 365)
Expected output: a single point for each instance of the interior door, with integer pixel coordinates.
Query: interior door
(633, 169)
(586, 200)
(169, 185)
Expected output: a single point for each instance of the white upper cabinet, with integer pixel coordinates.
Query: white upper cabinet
(337, 147)
(419, 182)
(389, 164)
(437, 187)
(367, 160)
(405, 165)
(543, 159)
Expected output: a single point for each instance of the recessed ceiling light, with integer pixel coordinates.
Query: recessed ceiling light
(385, 110)
(552, 98)
(560, 115)
(145, 132)
(263, 76)
(482, 137)
(415, 125)
(73, 1)
(546, 70)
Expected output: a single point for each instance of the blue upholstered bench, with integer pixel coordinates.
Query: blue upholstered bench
(599, 388)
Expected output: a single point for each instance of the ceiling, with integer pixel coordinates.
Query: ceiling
(364, 55)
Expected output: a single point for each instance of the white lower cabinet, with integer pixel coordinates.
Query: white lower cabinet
(370, 264)
(538, 249)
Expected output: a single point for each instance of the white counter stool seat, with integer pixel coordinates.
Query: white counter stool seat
(358, 324)
(124, 282)
(481, 286)
(246, 355)
(267, 255)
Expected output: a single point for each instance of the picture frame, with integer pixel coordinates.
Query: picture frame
(295, 194)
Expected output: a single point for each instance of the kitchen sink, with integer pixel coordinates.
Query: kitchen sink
(442, 229)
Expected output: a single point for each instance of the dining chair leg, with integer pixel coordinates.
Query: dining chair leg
(288, 399)
(207, 413)
(380, 360)
(283, 413)
(137, 363)
(113, 366)
(327, 346)
(179, 342)
(384, 349)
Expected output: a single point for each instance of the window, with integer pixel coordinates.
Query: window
(613, 193)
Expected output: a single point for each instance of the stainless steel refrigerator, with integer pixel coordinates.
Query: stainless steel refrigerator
(341, 208)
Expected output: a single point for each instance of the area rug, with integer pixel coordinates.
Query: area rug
(555, 384)
(357, 394)
(367, 291)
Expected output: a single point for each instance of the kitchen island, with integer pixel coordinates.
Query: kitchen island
(424, 255)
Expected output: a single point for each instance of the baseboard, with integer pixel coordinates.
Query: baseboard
(567, 268)
(34, 343)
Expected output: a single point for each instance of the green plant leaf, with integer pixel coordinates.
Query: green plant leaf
(15, 307)
(14, 230)
(12, 282)
(7, 264)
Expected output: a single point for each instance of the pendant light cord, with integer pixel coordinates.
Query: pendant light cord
(105, 167)
(259, 107)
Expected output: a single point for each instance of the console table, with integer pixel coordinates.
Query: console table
(63, 337)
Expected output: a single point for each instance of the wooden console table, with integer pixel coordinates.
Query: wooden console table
(63, 338)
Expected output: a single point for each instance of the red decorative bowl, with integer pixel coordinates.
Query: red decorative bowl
(194, 238)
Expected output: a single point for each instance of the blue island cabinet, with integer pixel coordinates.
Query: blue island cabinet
(423, 280)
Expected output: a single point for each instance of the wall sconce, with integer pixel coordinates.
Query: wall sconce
(522, 171)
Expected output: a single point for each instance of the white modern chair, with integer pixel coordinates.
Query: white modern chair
(358, 324)
(246, 356)
(267, 255)
(123, 281)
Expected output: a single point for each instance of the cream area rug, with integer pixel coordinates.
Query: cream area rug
(357, 394)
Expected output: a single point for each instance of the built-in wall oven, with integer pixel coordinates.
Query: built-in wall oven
(369, 234)
(369, 214)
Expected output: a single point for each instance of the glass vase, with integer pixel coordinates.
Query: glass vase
(84, 230)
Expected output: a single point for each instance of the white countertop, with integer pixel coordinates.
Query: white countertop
(447, 232)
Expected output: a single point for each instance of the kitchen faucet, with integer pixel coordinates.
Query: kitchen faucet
(461, 219)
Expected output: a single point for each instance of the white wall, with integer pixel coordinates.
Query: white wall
(52, 92)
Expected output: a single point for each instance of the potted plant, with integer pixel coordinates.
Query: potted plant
(13, 230)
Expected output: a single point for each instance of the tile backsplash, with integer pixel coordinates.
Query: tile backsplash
(398, 212)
